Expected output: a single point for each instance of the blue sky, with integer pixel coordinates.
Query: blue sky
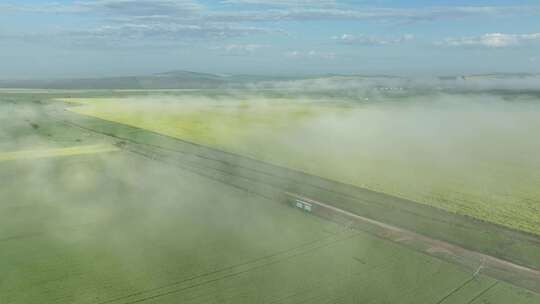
(85, 38)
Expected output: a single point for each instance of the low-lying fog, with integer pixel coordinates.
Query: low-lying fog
(470, 153)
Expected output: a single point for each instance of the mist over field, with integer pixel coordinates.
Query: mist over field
(269, 152)
(186, 194)
(460, 152)
(112, 223)
(348, 85)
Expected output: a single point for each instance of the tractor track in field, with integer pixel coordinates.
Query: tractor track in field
(483, 292)
(229, 271)
(495, 267)
(455, 290)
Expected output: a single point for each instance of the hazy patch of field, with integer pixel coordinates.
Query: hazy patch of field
(56, 152)
(470, 154)
(114, 228)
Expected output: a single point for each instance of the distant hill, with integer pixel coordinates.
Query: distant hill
(348, 83)
(168, 80)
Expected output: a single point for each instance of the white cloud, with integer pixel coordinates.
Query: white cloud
(291, 10)
(141, 7)
(371, 40)
(312, 54)
(164, 31)
(319, 3)
(371, 13)
(181, 19)
(492, 40)
(137, 22)
(240, 49)
(137, 35)
(120, 7)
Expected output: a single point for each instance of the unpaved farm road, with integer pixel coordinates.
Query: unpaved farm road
(476, 262)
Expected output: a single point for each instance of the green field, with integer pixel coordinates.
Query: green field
(468, 154)
(85, 222)
(97, 233)
(57, 152)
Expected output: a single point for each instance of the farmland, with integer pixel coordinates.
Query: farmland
(269, 152)
(483, 167)
(46, 153)
(87, 222)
